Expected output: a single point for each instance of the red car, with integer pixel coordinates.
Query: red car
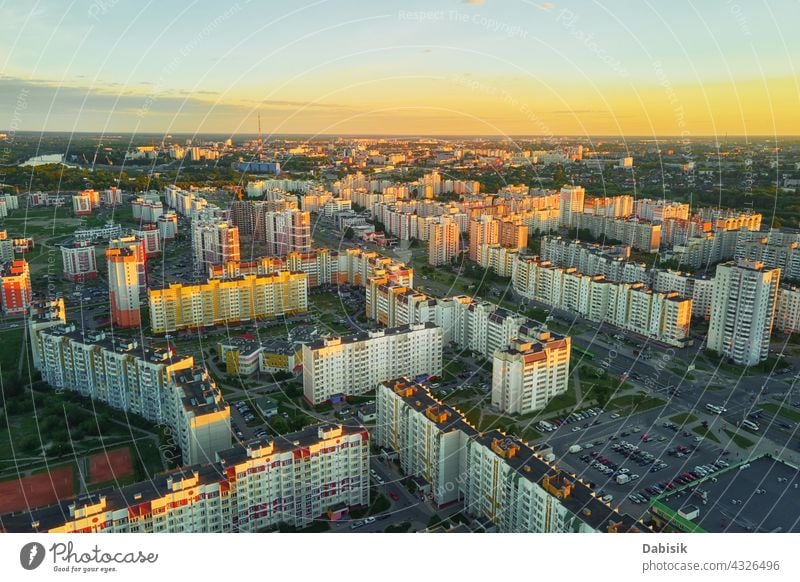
(394, 496)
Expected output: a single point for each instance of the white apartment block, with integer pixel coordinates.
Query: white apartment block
(787, 313)
(497, 477)
(498, 259)
(638, 234)
(320, 472)
(149, 382)
(612, 262)
(664, 317)
(530, 373)
(353, 365)
(571, 203)
(430, 436)
(661, 210)
(774, 249)
(443, 242)
(743, 310)
(706, 249)
(214, 241)
(699, 287)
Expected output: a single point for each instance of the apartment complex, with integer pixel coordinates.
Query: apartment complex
(277, 223)
(774, 249)
(323, 267)
(664, 317)
(638, 234)
(611, 261)
(153, 383)
(15, 287)
(498, 477)
(353, 365)
(80, 261)
(217, 302)
(167, 226)
(123, 286)
(430, 436)
(136, 246)
(661, 210)
(742, 311)
(490, 230)
(530, 373)
(318, 473)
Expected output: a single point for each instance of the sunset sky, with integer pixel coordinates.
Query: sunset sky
(415, 67)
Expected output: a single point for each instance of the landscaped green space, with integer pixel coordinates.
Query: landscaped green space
(739, 439)
(633, 403)
(705, 432)
(683, 418)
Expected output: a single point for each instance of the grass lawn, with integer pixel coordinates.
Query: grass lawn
(633, 403)
(566, 400)
(785, 411)
(739, 439)
(705, 432)
(683, 418)
(11, 340)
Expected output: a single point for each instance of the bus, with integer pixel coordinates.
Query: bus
(715, 409)
(749, 424)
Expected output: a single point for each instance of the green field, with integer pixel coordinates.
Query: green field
(739, 439)
(683, 418)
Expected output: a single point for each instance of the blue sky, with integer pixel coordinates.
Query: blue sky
(343, 66)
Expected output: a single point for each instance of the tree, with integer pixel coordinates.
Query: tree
(559, 176)
(349, 233)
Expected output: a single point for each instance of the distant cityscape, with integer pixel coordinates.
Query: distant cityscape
(372, 334)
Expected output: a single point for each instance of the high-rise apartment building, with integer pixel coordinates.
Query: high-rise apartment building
(168, 226)
(213, 242)
(571, 203)
(136, 246)
(79, 260)
(353, 365)
(530, 373)
(443, 242)
(123, 286)
(742, 311)
(217, 302)
(485, 230)
(499, 478)
(153, 383)
(320, 472)
(15, 287)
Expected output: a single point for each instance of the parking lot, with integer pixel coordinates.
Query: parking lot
(630, 460)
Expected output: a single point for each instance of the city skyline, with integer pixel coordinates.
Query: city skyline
(322, 68)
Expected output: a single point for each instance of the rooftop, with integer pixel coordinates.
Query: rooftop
(756, 496)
